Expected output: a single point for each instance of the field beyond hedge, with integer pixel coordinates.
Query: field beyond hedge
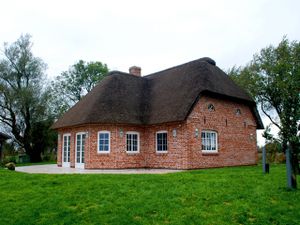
(240, 195)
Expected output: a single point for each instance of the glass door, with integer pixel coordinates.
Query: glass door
(66, 150)
(79, 156)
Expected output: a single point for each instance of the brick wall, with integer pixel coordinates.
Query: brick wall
(236, 144)
(236, 134)
(118, 157)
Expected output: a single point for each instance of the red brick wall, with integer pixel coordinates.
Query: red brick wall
(236, 147)
(119, 158)
(236, 140)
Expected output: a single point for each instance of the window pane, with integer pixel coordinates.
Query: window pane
(161, 142)
(208, 140)
(132, 142)
(104, 142)
(202, 135)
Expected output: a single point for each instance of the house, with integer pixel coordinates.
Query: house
(185, 117)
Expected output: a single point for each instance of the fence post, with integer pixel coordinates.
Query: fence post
(264, 158)
(288, 166)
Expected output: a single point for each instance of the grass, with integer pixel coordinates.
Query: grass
(240, 195)
(38, 163)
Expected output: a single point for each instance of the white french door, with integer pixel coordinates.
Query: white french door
(79, 156)
(66, 150)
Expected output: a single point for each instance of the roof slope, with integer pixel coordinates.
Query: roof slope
(165, 96)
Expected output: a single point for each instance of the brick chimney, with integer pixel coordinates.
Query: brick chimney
(135, 70)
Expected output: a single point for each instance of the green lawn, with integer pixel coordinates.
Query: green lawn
(241, 195)
(38, 163)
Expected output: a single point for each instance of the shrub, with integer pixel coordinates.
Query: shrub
(10, 166)
(49, 156)
(280, 158)
(8, 159)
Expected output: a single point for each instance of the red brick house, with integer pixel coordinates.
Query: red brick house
(189, 116)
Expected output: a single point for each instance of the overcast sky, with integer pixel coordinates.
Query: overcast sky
(152, 34)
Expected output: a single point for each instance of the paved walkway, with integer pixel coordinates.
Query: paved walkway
(54, 169)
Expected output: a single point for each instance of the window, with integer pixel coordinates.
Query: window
(211, 107)
(103, 142)
(238, 112)
(209, 141)
(66, 148)
(132, 142)
(162, 141)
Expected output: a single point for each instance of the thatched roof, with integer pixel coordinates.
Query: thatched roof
(165, 96)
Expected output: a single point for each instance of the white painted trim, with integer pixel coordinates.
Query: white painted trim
(210, 151)
(109, 138)
(161, 132)
(65, 164)
(138, 142)
(79, 165)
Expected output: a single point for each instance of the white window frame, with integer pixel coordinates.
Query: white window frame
(138, 142)
(156, 143)
(80, 164)
(216, 141)
(67, 163)
(98, 140)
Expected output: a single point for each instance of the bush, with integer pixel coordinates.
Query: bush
(280, 158)
(49, 156)
(10, 166)
(8, 159)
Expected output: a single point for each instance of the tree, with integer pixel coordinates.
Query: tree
(273, 79)
(69, 87)
(23, 103)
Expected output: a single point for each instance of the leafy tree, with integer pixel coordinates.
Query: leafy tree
(273, 79)
(23, 103)
(69, 87)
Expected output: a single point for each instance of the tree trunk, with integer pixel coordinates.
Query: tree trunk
(35, 156)
(295, 166)
(291, 167)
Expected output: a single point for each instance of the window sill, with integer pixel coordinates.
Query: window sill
(133, 153)
(161, 152)
(210, 153)
(103, 153)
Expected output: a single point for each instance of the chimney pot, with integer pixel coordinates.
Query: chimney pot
(135, 70)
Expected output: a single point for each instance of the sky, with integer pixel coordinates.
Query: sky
(154, 35)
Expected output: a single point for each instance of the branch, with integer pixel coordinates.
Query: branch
(10, 84)
(3, 120)
(13, 64)
(4, 107)
(276, 124)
